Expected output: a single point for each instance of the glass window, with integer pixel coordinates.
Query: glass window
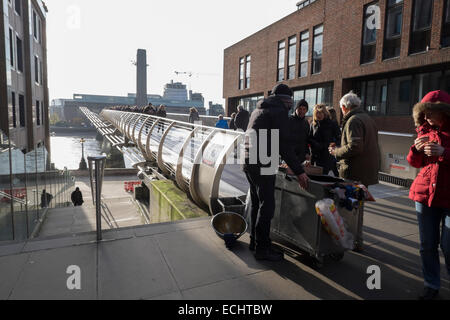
(421, 26)
(247, 71)
(445, 40)
(311, 97)
(241, 73)
(19, 54)
(317, 49)
(11, 46)
(393, 30)
(38, 113)
(304, 51)
(281, 59)
(369, 33)
(18, 7)
(22, 110)
(292, 57)
(36, 69)
(399, 95)
(14, 114)
(35, 25)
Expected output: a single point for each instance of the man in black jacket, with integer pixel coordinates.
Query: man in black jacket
(266, 139)
(299, 128)
(242, 118)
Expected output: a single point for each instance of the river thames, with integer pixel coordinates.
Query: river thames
(66, 149)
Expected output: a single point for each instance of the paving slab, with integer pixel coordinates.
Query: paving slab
(133, 269)
(45, 276)
(242, 288)
(193, 260)
(10, 270)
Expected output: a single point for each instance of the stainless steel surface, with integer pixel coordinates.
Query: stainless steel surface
(96, 170)
(296, 221)
(195, 156)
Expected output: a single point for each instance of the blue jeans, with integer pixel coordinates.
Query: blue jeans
(430, 220)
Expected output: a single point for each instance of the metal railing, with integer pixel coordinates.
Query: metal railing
(194, 155)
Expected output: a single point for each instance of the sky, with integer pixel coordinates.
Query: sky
(90, 43)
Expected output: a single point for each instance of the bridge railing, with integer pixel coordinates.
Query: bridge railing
(204, 161)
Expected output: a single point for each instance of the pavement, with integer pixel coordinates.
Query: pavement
(186, 260)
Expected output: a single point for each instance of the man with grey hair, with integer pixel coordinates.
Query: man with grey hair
(359, 155)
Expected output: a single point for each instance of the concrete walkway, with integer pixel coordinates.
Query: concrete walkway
(186, 260)
(73, 220)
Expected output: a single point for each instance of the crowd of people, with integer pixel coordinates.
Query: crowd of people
(150, 109)
(349, 149)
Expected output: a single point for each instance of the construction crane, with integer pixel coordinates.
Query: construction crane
(187, 73)
(190, 74)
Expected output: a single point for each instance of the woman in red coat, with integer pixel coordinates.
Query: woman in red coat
(431, 188)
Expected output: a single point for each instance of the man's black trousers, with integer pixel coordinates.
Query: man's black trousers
(262, 190)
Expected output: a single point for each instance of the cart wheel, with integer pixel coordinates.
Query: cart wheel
(337, 256)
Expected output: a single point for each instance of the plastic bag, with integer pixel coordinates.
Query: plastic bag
(333, 223)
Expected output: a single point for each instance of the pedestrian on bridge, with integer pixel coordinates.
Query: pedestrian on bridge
(242, 119)
(77, 197)
(163, 114)
(193, 115)
(222, 123)
(431, 188)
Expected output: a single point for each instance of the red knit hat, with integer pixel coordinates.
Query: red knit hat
(436, 96)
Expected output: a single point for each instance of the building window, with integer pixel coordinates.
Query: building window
(40, 73)
(19, 54)
(248, 62)
(249, 103)
(393, 30)
(322, 94)
(241, 73)
(304, 52)
(36, 69)
(292, 57)
(14, 114)
(317, 49)
(369, 44)
(396, 96)
(421, 26)
(445, 42)
(36, 27)
(281, 58)
(42, 113)
(11, 46)
(22, 110)
(38, 113)
(18, 7)
(40, 31)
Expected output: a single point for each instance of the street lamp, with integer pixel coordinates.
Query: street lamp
(83, 165)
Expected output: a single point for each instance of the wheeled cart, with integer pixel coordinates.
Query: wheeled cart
(296, 221)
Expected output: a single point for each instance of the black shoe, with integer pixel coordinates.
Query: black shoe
(428, 294)
(268, 254)
(252, 245)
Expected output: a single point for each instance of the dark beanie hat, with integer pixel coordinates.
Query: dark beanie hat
(282, 89)
(302, 103)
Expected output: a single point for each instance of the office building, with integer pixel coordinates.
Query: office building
(390, 52)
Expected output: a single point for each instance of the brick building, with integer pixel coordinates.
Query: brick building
(391, 52)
